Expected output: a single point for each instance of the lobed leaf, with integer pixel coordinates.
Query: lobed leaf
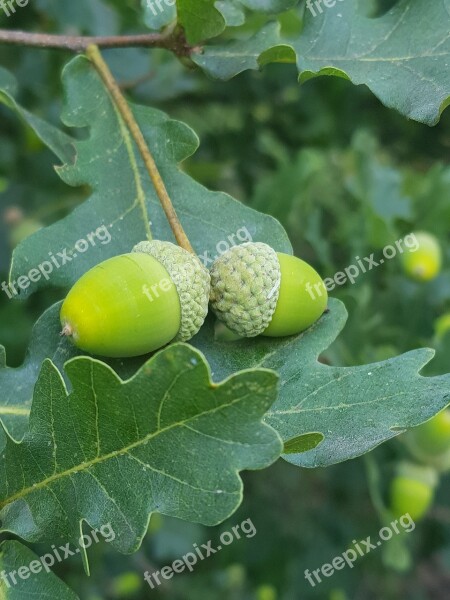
(327, 414)
(113, 451)
(402, 55)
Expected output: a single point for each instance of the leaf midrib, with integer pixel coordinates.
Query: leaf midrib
(14, 410)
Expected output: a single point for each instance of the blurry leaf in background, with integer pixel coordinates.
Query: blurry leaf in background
(94, 17)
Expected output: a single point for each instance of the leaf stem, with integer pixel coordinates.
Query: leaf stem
(94, 55)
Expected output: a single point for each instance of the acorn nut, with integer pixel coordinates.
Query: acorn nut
(425, 261)
(136, 303)
(412, 490)
(257, 291)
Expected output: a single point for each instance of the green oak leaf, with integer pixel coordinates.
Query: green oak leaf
(410, 77)
(377, 52)
(17, 384)
(232, 11)
(326, 414)
(224, 61)
(36, 586)
(56, 140)
(200, 19)
(123, 199)
(113, 452)
(158, 14)
(270, 6)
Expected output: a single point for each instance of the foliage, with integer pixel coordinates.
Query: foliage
(342, 176)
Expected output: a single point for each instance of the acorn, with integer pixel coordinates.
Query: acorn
(257, 291)
(442, 326)
(433, 436)
(412, 490)
(135, 303)
(424, 263)
(430, 442)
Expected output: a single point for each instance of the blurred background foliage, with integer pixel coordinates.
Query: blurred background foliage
(345, 176)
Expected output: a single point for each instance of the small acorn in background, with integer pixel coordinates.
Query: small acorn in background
(257, 291)
(433, 437)
(429, 443)
(442, 326)
(136, 303)
(425, 262)
(20, 226)
(412, 490)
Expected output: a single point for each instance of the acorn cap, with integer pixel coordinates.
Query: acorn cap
(423, 473)
(191, 279)
(245, 285)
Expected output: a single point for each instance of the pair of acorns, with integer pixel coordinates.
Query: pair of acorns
(136, 303)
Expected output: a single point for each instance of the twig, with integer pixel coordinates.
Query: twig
(173, 41)
(96, 58)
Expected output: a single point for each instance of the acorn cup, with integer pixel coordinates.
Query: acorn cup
(257, 291)
(136, 303)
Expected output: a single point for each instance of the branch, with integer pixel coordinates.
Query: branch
(174, 41)
(93, 53)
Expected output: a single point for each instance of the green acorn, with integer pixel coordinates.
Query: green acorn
(430, 442)
(412, 490)
(136, 303)
(257, 291)
(424, 262)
